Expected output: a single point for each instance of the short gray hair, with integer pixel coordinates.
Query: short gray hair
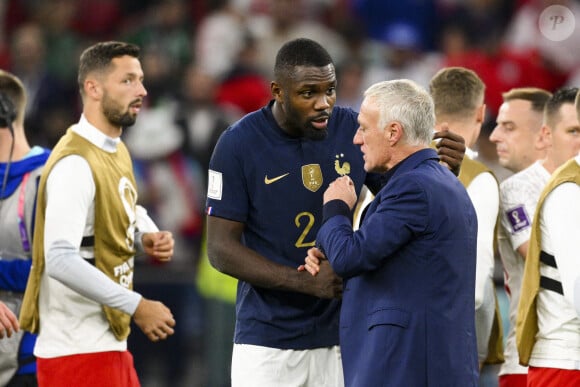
(406, 102)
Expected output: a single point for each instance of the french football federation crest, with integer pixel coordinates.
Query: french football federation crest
(312, 177)
(343, 169)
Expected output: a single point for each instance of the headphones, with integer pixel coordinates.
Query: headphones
(7, 111)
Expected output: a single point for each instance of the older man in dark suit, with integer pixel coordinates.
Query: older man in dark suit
(409, 272)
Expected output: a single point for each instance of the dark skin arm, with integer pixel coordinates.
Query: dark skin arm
(228, 255)
(451, 149)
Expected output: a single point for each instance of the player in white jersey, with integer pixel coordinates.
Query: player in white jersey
(555, 358)
(519, 195)
(548, 334)
(458, 95)
(516, 136)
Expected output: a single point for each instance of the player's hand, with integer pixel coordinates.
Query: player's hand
(159, 245)
(324, 282)
(8, 321)
(451, 148)
(328, 284)
(154, 319)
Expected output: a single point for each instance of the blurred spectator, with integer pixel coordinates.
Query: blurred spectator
(475, 16)
(63, 43)
(285, 20)
(349, 75)
(164, 36)
(94, 18)
(244, 89)
(574, 78)
(198, 116)
(161, 78)
(500, 67)
(524, 36)
(50, 98)
(419, 15)
(219, 38)
(3, 39)
(401, 56)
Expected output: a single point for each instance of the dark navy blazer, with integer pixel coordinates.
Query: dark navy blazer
(407, 316)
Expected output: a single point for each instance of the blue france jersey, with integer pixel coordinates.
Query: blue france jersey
(274, 183)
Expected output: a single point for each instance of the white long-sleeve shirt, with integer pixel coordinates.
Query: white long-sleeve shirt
(519, 195)
(484, 194)
(558, 337)
(72, 290)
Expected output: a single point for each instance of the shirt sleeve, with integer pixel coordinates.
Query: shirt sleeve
(14, 274)
(144, 225)
(517, 212)
(561, 219)
(227, 194)
(394, 222)
(68, 207)
(484, 194)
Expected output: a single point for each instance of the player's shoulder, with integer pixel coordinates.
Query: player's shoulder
(533, 176)
(342, 115)
(345, 112)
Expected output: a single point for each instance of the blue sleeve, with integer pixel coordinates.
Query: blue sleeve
(335, 207)
(14, 274)
(401, 214)
(230, 198)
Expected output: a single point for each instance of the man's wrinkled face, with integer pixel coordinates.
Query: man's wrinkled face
(372, 138)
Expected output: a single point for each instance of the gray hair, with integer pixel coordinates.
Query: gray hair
(406, 102)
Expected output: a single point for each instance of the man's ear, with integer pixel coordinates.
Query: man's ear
(276, 91)
(92, 88)
(480, 114)
(544, 138)
(394, 132)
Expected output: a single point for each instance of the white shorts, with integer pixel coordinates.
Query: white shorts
(256, 366)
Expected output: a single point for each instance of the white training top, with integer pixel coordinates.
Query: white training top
(484, 194)
(558, 338)
(71, 289)
(519, 195)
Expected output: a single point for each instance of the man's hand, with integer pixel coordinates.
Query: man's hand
(327, 284)
(158, 245)
(343, 189)
(8, 321)
(154, 319)
(451, 149)
(312, 261)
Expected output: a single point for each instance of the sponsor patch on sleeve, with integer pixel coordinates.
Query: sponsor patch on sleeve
(518, 218)
(215, 185)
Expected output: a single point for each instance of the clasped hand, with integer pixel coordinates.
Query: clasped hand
(342, 189)
(158, 245)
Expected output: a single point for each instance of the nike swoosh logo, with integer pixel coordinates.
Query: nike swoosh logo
(274, 179)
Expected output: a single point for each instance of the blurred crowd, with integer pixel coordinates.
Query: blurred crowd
(209, 62)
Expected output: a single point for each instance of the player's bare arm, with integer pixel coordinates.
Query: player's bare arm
(228, 255)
